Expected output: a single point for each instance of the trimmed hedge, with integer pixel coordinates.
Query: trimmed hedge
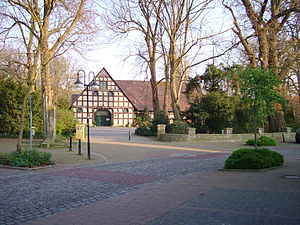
(262, 141)
(144, 131)
(177, 127)
(253, 159)
(26, 158)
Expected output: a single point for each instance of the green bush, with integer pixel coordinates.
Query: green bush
(144, 131)
(141, 123)
(5, 158)
(26, 134)
(177, 127)
(253, 159)
(26, 158)
(159, 118)
(8, 135)
(66, 122)
(212, 112)
(12, 93)
(262, 141)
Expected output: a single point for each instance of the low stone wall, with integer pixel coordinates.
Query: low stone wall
(223, 137)
(174, 137)
(243, 137)
(228, 136)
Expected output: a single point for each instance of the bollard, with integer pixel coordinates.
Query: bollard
(129, 135)
(79, 147)
(70, 145)
(283, 138)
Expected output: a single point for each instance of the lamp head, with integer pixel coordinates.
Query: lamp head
(94, 85)
(78, 83)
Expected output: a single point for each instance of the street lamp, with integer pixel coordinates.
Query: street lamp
(90, 85)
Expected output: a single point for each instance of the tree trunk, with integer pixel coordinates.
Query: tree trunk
(267, 37)
(277, 122)
(174, 97)
(32, 62)
(22, 122)
(167, 92)
(155, 99)
(48, 107)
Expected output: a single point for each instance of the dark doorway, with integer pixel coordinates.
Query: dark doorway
(103, 118)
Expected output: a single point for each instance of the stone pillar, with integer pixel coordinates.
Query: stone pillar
(228, 130)
(192, 133)
(161, 129)
(260, 131)
(289, 131)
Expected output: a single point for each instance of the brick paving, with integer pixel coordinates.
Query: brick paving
(127, 179)
(167, 187)
(214, 198)
(37, 194)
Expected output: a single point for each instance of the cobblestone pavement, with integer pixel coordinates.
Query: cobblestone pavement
(209, 198)
(36, 194)
(240, 207)
(173, 188)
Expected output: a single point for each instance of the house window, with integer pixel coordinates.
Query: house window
(111, 93)
(103, 85)
(95, 93)
(79, 110)
(125, 110)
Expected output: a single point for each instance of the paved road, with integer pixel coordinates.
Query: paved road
(113, 143)
(146, 182)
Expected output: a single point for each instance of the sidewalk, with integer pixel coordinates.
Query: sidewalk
(148, 182)
(222, 197)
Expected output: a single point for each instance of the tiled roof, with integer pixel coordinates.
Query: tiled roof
(140, 94)
(74, 97)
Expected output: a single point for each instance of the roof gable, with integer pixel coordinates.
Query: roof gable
(138, 93)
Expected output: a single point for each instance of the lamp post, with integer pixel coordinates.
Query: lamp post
(88, 86)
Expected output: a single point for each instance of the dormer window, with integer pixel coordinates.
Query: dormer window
(103, 85)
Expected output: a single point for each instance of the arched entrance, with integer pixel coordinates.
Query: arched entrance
(103, 118)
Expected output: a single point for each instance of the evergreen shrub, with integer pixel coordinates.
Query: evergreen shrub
(177, 127)
(144, 131)
(26, 158)
(253, 159)
(66, 123)
(262, 141)
(159, 118)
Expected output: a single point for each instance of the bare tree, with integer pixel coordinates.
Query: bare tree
(289, 42)
(53, 27)
(63, 75)
(140, 16)
(28, 64)
(267, 20)
(181, 42)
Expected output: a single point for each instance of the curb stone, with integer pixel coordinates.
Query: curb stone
(252, 170)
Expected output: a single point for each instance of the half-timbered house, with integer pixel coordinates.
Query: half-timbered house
(117, 102)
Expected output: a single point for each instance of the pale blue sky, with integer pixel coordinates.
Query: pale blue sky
(112, 56)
